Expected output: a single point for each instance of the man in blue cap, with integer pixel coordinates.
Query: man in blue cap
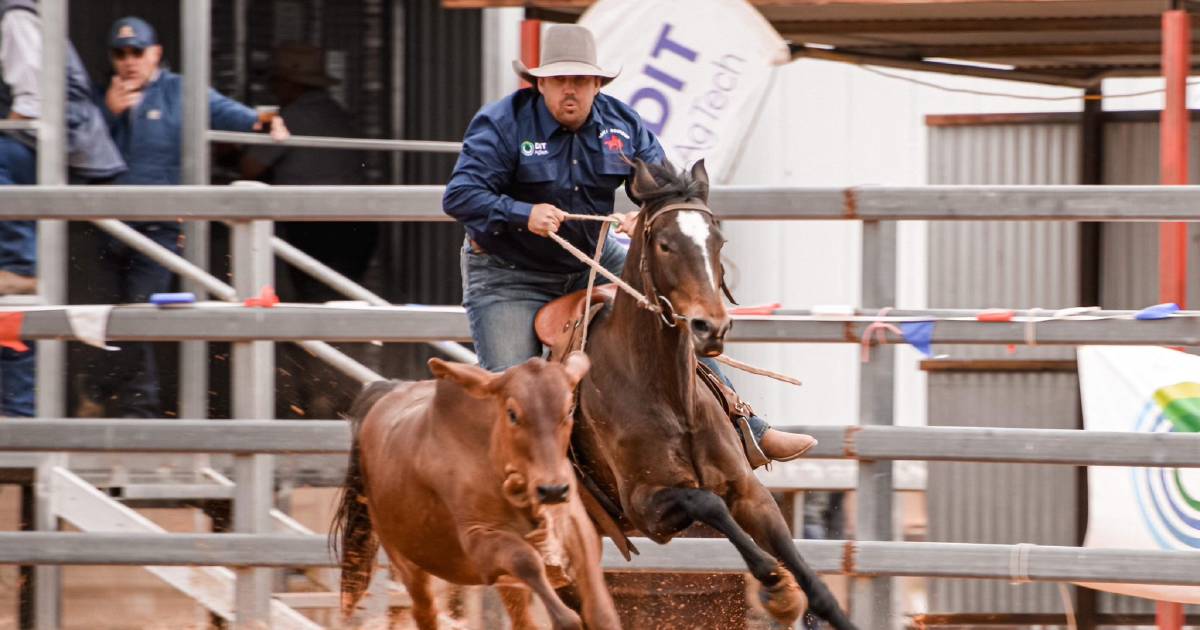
(90, 156)
(144, 110)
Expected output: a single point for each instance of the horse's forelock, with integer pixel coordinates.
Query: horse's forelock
(672, 184)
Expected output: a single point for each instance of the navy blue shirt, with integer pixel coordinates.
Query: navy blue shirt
(149, 135)
(515, 155)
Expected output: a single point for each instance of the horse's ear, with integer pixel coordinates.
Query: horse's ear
(643, 181)
(577, 364)
(476, 380)
(700, 176)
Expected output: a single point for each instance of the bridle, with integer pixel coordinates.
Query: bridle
(656, 301)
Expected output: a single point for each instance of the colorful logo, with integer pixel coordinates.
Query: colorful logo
(614, 144)
(1169, 498)
(527, 148)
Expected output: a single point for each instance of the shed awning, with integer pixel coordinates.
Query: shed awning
(1068, 42)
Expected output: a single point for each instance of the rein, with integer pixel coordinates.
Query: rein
(669, 317)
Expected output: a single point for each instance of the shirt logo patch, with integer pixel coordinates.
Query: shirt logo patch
(614, 144)
(154, 114)
(611, 139)
(529, 148)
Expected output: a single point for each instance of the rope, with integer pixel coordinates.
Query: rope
(746, 367)
(1018, 563)
(624, 286)
(587, 301)
(878, 327)
(604, 272)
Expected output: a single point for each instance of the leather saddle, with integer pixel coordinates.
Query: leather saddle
(559, 324)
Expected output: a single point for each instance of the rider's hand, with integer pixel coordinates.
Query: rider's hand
(545, 218)
(121, 96)
(628, 221)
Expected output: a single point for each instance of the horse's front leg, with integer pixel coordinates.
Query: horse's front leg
(497, 553)
(756, 511)
(583, 550)
(785, 602)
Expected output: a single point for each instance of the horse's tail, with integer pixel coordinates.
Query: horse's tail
(352, 523)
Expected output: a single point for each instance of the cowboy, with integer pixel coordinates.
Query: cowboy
(557, 144)
(143, 107)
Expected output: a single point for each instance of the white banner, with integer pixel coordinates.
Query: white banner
(1142, 389)
(696, 71)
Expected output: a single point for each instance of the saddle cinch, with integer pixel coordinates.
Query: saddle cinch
(560, 326)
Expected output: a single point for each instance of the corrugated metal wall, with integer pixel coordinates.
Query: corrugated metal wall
(1025, 264)
(442, 90)
(986, 264)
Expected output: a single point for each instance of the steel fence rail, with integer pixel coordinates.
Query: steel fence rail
(324, 142)
(423, 203)
(685, 555)
(970, 444)
(351, 289)
(19, 125)
(285, 322)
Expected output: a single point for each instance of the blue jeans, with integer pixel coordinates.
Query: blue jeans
(18, 249)
(130, 376)
(502, 300)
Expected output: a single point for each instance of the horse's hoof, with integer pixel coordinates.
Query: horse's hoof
(784, 601)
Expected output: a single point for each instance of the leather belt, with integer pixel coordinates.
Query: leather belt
(476, 248)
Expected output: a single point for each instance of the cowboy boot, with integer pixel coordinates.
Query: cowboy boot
(782, 446)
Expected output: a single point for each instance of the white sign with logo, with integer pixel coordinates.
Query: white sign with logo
(1147, 390)
(695, 71)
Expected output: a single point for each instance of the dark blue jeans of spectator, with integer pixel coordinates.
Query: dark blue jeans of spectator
(502, 300)
(131, 374)
(18, 248)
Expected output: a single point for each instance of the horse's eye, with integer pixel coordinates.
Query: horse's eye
(662, 247)
(512, 416)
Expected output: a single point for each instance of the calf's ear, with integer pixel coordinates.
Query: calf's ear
(474, 379)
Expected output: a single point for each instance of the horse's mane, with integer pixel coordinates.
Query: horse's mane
(672, 184)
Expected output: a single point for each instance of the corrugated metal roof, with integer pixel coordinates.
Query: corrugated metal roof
(1053, 41)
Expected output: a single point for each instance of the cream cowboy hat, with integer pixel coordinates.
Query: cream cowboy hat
(567, 50)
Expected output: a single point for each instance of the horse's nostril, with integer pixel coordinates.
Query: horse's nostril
(553, 494)
(702, 327)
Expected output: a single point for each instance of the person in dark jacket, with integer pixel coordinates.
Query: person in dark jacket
(143, 108)
(91, 156)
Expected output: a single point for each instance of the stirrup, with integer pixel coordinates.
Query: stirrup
(754, 452)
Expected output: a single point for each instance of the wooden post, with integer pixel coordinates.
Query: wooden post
(531, 45)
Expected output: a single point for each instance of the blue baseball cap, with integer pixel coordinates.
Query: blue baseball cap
(132, 32)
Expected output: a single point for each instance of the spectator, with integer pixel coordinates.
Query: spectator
(143, 107)
(91, 156)
(299, 82)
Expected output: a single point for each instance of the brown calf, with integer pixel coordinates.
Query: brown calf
(466, 477)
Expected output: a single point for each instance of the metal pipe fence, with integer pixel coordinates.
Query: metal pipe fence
(683, 555)
(326, 142)
(773, 203)
(856, 442)
(414, 324)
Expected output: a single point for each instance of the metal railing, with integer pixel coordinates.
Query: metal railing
(327, 142)
(774, 203)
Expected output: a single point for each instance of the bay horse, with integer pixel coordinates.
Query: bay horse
(652, 439)
(466, 477)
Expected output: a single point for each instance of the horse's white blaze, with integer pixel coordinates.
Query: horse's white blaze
(696, 226)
